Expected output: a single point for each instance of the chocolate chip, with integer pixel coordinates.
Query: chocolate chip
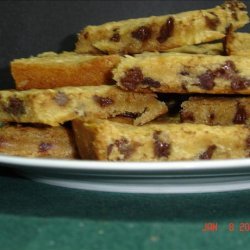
(86, 35)
(240, 115)
(166, 30)
(242, 7)
(206, 80)
(61, 98)
(208, 153)
(103, 101)
(15, 106)
(143, 33)
(248, 141)
(227, 70)
(229, 67)
(184, 87)
(212, 23)
(248, 145)
(150, 82)
(239, 83)
(44, 147)
(187, 116)
(130, 115)
(115, 38)
(132, 78)
(184, 73)
(211, 118)
(161, 148)
(123, 146)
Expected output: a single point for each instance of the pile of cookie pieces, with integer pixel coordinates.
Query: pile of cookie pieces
(112, 98)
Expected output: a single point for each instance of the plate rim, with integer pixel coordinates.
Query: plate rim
(153, 166)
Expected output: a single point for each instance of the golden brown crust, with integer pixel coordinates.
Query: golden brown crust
(160, 33)
(216, 110)
(106, 140)
(51, 70)
(184, 73)
(56, 106)
(237, 44)
(46, 142)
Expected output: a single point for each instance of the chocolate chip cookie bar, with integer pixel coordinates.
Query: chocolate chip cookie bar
(216, 110)
(184, 73)
(56, 106)
(51, 70)
(237, 44)
(160, 33)
(106, 140)
(46, 142)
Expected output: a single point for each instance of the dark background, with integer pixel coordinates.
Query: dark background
(31, 27)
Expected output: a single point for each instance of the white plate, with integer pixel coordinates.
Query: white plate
(136, 177)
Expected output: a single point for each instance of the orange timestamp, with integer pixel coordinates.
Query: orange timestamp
(231, 227)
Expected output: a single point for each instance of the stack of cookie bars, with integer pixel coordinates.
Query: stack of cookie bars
(116, 96)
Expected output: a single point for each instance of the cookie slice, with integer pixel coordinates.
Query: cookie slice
(56, 106)
(216, 110)
(184, 73)
(106, 140)
(237, 44)
(52, 70)
(160, 33)
(207, 49)
(45, 142)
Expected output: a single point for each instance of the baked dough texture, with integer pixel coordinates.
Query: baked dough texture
(184, 73)
(216, 110)
(56, 106)
(51, 70)
(237, 44)
(45, 142)
(160, 33)
(107, 140)
(206, 48)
